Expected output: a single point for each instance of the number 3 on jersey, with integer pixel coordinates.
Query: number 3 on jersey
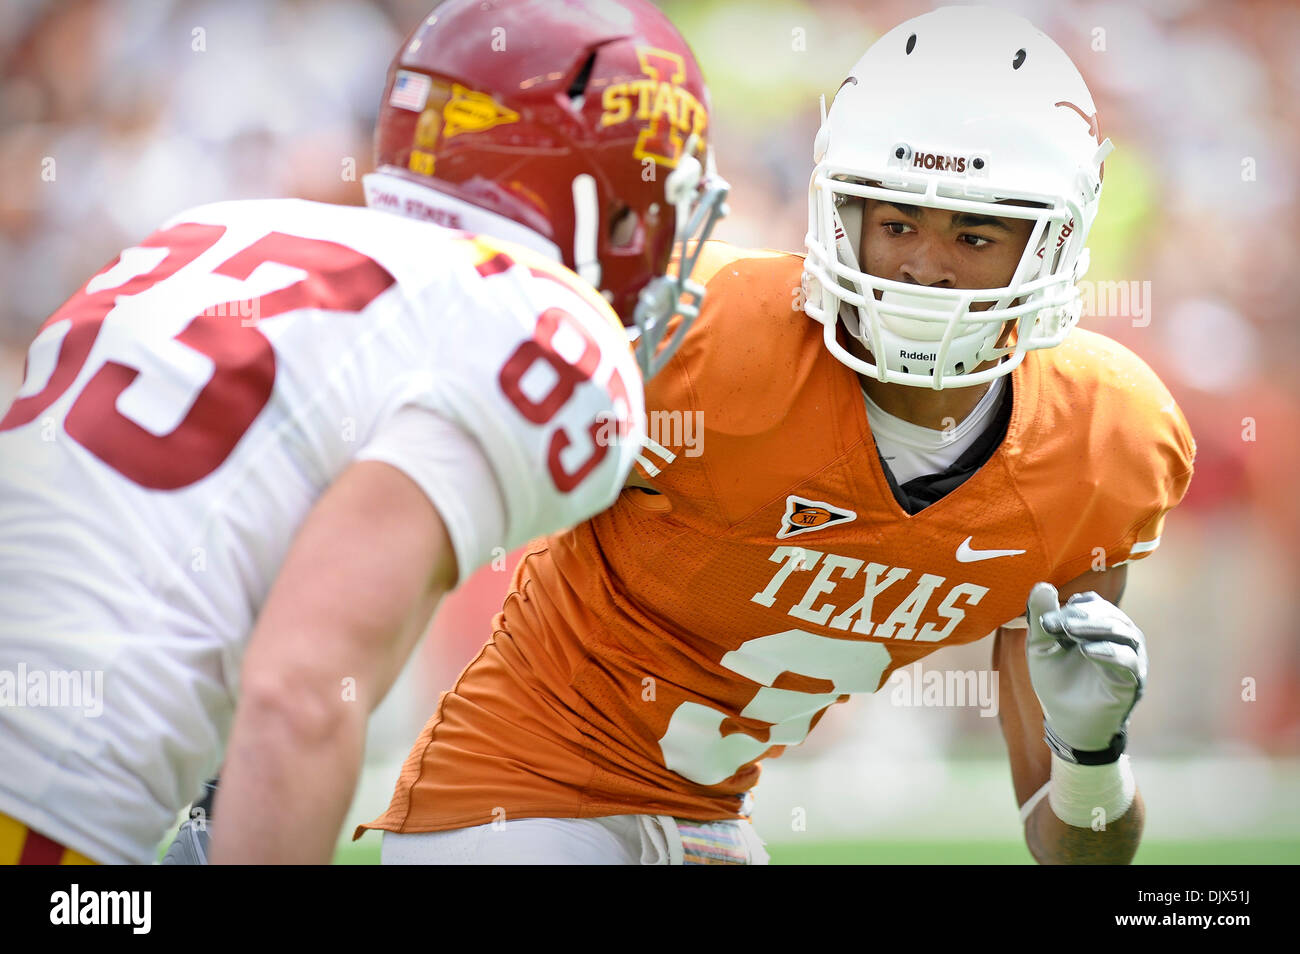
(242, 359)
(694, 745)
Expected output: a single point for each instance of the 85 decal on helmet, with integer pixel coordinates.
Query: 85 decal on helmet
(599, 155)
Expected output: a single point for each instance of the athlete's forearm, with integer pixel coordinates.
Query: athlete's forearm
(289, 777)
(1052, 842)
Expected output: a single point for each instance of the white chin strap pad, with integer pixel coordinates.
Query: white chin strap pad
(914, 328)
(912, 343)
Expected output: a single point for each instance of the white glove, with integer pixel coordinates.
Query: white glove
(1088, 667)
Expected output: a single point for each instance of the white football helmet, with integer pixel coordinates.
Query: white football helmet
(957, 110)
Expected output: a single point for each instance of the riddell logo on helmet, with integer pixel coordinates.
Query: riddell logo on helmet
(916, 356)
(939, 162)
(671, 111)
(1066, 231)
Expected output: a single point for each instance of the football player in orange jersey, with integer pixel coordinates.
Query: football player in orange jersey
(953, 455)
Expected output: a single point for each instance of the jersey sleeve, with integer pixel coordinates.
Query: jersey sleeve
(1177, 454)
(535, 370)
(1115, 456)
(453, 471)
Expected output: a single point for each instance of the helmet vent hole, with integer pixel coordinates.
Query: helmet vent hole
(904, 368)
(960, 367)
(579, 84)
(1019, 61)
(911, 44)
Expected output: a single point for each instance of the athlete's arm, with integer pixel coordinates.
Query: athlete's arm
(353, 596)
(1051, 840)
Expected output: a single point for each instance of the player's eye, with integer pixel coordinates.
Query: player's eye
(895, 228)
(976, 241)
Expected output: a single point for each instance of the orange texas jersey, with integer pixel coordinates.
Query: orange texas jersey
(646, 660)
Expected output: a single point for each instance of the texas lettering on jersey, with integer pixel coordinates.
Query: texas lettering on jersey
(836, 571)
(649, 659)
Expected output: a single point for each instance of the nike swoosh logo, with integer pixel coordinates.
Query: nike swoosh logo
(966, 555)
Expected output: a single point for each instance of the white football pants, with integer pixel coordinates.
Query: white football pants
(613, 840)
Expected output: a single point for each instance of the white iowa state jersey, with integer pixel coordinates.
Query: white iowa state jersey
(179, 417)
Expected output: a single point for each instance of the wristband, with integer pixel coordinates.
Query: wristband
(1078, 791)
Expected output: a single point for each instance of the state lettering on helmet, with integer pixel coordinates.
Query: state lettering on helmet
(671, 112)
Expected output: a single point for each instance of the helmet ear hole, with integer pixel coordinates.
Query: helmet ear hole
(623, 227)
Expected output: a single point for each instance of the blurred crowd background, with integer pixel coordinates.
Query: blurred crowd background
(115, 114)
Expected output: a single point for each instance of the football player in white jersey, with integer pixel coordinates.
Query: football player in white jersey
(251, 453)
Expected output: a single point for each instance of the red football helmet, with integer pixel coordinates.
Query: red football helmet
(585, 121)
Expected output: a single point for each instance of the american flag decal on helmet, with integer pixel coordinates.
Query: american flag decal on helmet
(410, 91)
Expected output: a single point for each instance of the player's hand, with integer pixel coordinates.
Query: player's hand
(1088, 666)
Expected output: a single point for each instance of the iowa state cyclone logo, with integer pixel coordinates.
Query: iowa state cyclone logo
(671, 112)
